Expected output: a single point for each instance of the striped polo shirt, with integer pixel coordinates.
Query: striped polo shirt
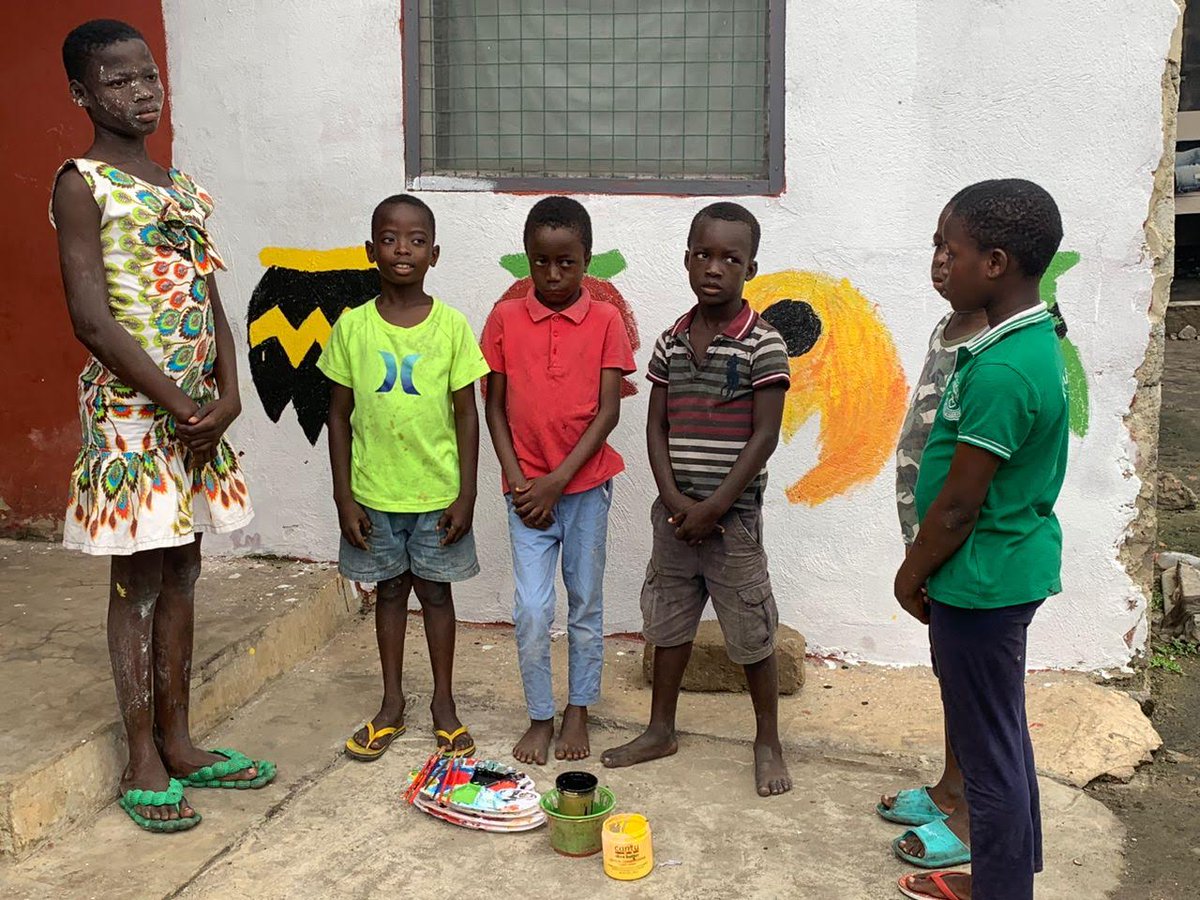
(710, 402)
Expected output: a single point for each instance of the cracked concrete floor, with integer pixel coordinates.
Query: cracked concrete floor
(332, 827)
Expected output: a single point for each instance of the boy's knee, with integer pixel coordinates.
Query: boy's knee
(533, 615)
(394, 590)
(432, 594)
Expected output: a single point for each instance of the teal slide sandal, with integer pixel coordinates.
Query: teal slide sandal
(913, 806)
(942, 848)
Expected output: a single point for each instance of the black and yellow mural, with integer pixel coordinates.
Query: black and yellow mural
(291, 314)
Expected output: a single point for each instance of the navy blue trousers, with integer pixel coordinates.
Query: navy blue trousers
(981, 669)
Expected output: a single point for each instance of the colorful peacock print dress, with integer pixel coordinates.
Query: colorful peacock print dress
(134, 486)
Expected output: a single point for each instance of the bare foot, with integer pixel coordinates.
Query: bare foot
(445, 718)
(573, 740)
(385, 718)
(653, 743)
(187, 760)
(958, 882)
(770, 771)
(153, 777)
(534, 746)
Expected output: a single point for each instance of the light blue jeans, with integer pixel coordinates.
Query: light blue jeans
(581, 530)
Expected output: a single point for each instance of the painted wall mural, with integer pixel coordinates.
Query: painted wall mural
(603, 268)
(295, 303)
(1077, 385)
(844, 368)
(844, 364)
(291, 313)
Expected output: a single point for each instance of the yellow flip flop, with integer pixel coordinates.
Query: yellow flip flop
(450, 738)
(367, 753)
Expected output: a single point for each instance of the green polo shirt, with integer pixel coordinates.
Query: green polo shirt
(1008, 395)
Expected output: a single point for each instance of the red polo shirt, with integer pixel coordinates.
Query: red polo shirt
(552, 362)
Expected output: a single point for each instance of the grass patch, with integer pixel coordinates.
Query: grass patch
(1167, 655)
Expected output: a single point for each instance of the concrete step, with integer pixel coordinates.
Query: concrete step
(332, 827)
(62, 747)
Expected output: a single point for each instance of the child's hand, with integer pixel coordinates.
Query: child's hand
(204, 430)
(540, 522)
(355, 525)
(535, 500)
(456, 520)
(678, 504)
(915, 603)
(697, 522)
(201, 458)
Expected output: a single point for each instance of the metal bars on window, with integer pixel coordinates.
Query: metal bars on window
(626, 96)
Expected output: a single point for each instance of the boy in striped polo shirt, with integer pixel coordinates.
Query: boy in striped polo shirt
(989, 549)
(720, 374)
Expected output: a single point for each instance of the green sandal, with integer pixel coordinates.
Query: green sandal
(943, 849)
(913, 806)
(172, 796)
(217, 774)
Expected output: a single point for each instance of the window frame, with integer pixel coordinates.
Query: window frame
(415, 179)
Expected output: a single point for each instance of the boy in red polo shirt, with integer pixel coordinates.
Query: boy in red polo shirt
(553, 398)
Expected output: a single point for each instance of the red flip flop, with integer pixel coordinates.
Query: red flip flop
(945, 892)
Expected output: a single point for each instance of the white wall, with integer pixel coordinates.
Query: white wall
(290, 113)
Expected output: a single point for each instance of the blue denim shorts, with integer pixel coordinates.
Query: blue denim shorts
(403, 542)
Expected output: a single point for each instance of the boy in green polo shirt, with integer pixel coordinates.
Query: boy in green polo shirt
(403, 447)
(989, 548)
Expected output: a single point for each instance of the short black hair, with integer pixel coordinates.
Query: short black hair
(406, 200)
(729, 212)
(91, 36)
(560, 212)
(1013, 215)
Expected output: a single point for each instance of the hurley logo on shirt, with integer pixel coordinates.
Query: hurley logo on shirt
(405, 373)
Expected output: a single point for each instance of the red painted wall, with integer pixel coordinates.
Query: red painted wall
(39, 356)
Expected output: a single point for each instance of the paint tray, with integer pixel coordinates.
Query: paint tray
(483, 795)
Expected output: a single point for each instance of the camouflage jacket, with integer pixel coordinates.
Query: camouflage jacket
(935, 375)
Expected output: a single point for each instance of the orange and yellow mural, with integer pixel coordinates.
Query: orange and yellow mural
(844, 368)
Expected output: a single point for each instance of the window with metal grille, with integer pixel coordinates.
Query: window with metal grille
(621, 96)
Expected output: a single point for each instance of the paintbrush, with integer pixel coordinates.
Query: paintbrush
(431, 776)
(444, 794)
(422, 778)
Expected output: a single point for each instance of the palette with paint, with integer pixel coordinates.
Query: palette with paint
(483, 795)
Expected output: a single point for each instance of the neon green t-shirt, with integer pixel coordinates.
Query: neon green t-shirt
(403, 449)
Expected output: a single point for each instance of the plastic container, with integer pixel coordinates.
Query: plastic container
(628, 847)
(576, 793)
(578, 835)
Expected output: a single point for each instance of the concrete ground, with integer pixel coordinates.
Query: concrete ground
(333, 827)
(61, 744)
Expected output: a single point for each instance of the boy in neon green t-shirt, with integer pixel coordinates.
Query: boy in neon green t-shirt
(404, 447)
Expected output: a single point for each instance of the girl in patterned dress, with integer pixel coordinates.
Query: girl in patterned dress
(155, 399)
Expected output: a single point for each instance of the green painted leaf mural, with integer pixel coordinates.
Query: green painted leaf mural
(1080, 411)
(604, 265)
(515, 264)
